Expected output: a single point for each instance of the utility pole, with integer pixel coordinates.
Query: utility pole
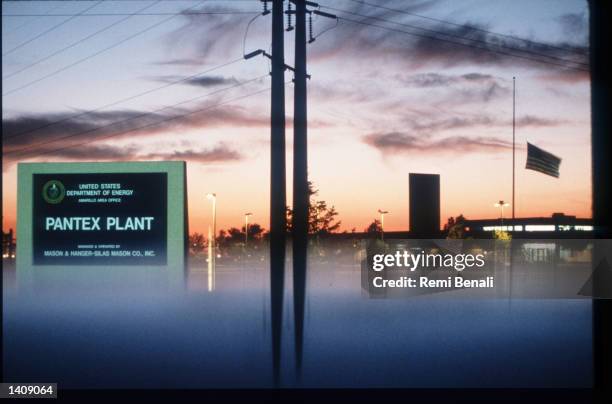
(300, 132)
(278, 199)
(301, 196)
(278, 196)
(513, 141)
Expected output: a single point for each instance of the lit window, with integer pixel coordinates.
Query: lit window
(540, 227)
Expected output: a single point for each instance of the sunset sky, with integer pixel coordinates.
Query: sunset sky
(383, 102)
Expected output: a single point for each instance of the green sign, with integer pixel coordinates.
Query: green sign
(101, 214)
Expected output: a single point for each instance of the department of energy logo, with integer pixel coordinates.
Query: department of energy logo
(53, 192)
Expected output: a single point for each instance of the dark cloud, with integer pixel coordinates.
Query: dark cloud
(451, 123)
(203, 38)
(95, 153)
(435, 124)
(487, 93)
(398, 142)
(488, 49)
(477, 77)
(535, 121)
(200, 81)
(346, 91)
(180, 62)
(443, 45)
(574, 25)
(211, 81)
(56, 130)
(217, 154)
(220, 153)
(426, 80)
(207, 37)
(71, 135)
(464, 88)
(484, 93)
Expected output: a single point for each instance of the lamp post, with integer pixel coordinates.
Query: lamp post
(212, 240)
(213, 198)
(501, 205)
(246, 228)
(210, 260)
(382, 223)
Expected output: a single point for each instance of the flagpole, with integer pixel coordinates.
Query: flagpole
(513, 143)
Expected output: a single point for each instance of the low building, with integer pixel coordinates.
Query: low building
(558, 225)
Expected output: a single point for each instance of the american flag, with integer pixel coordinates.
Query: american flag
(542, 161)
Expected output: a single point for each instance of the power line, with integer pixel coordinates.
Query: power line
(462, 44)
(121, 101)
(26, 149)
(50, 29)
(473, 40)
(114, 45)
(120, 1)
(28, 22)
(156, 123)
(132, 14)
(246, 32)
(72, 45)
(474, 28)
(329, 28)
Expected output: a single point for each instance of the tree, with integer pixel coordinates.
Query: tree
(374, 228)
(234, 236)
(197, 244)
(289, 219)
(255, 231)
(221, 240)
(455, 227)
(321, 218)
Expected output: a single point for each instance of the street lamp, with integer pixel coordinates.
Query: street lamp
(246, 228)
(382, 223)
(212, 240)
(213, 198)
(501, 205)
